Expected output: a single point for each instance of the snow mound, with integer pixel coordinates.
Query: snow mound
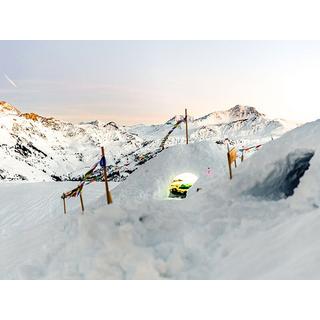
(152, 180)
(286, 167)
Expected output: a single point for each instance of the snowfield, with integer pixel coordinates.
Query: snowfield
(263, 224)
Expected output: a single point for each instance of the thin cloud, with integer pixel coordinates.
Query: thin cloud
(10, 81)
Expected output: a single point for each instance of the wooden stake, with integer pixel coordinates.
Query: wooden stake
(186, 117)
(81, 202)
(64, 205)
(229, 164)
(108, 194)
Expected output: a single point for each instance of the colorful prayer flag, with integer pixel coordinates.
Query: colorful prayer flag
(103, 162)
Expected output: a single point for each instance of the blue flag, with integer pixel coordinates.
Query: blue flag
(103, 162)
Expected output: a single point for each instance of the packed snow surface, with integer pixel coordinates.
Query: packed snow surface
(224, 229)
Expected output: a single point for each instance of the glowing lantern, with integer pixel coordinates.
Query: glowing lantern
(181, 184)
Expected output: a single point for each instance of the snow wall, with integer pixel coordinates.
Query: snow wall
(288, 167)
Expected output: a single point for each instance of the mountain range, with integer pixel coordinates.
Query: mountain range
(38, 148)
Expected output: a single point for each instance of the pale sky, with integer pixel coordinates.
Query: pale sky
(150, 81)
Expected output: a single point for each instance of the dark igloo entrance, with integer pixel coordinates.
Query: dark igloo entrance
(285, 177)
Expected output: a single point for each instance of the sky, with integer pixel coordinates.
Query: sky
(150, 81)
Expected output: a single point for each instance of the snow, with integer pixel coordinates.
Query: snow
(223, 231)
(262, 224)
(153, 179)
(32, 223)
(36, 148)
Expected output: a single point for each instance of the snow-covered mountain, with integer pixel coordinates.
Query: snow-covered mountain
(243, 122)
(37, 148)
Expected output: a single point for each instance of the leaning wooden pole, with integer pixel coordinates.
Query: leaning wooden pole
(186, 120)
(108, 194)
(64, 204)
(229, 162)
(81, 202)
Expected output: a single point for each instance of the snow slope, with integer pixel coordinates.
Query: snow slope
(227, 230)
(32, 224)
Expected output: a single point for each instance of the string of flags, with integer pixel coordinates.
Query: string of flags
(250, 148)
(170, 131)
(87, 178)
(74, 192)
(232, 156)
(90, 176)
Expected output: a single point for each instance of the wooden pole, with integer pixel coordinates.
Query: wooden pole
(229, 161)
(242, 158)
(64, 204)
(186, 118)
(229, 164)
(108, 193)
(81, 202)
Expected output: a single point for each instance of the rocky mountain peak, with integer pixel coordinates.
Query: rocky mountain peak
(241, 112)
(5, 107)
(36, 117)
(238, 112)
(31, 116)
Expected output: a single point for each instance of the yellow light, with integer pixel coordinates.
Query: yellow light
(186, 177)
